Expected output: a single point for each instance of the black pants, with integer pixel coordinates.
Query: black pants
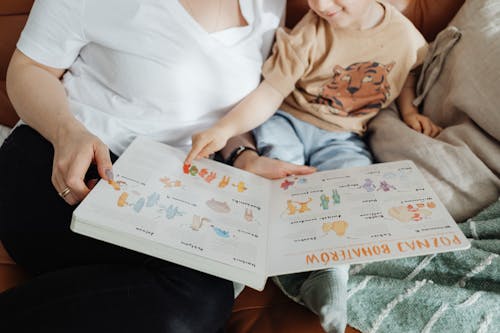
(81, 284)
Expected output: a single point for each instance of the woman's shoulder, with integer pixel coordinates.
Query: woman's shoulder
(267, 8)
(276, 6)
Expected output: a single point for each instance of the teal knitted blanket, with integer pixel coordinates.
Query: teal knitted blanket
(448, 292)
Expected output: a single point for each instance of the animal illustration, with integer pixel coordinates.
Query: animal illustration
(368, 185)
(291, 207)
(339, 227)
(114, 184)
(360, 88)
(172, 211)
(218, 206)
(412, 212)
(139, 204)
(335, 196)
(152, 199)
(220, 232)
(122, 200)
(203, 172)
(303, 205)
(170, 183)
(224, 181)
(193, 170)
(211, 176)
(324, 201)
(240, 186)
(385, 186)
(286, 184)
(198, 222)
(298, 206)
(248, 215)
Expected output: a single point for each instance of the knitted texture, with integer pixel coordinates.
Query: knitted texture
(449, 292)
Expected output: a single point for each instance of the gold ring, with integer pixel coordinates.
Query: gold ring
(64, 192)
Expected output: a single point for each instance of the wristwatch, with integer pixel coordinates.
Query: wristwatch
(237, 152)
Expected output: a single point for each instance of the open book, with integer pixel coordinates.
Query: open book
(242, 227)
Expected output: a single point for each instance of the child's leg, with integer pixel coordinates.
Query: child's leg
(277, 138)
(338, 150)
(325, 291)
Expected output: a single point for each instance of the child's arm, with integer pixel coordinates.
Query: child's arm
(252, 111)
(409, 113)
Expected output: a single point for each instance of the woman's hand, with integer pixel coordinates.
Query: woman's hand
(268, 167)
(40, 99)
(75, 149)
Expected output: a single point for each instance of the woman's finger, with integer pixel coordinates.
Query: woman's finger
(103, 162)
(63, 190)
(76, 175)
(91, 183)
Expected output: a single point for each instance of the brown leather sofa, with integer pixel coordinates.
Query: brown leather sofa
(253, 312)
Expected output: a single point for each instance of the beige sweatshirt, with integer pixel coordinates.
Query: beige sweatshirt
(339, 79)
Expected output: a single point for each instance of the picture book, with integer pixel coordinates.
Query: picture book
(242, 227)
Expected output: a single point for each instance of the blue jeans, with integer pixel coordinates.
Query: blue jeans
(287, 138)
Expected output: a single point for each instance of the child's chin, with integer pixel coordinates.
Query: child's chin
(338, 23)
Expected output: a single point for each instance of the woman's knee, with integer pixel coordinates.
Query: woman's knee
(202, 303)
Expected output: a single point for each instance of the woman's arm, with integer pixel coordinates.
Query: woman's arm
(37, 95)
(39, 98)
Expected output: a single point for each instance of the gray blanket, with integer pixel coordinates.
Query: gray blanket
(449, 292)
(456, 291)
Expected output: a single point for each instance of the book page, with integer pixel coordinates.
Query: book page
(356, 215)
(207, 209)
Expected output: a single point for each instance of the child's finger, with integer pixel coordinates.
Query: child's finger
(199, 142)
(208, 150)
(415, 124)
(426, 126)
(195, 151)
(189, 157)
(435, 130)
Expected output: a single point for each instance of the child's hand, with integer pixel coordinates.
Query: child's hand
(206, 143)
(422, 124)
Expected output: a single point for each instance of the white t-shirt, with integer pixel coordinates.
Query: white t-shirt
(146, 67)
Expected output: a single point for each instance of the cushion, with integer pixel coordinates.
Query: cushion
(4, 131)
(468, 83)
(13, 15)
(462, 164)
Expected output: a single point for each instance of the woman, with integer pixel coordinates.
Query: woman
(87, 77)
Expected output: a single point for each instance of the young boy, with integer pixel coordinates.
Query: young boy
(342, 63)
